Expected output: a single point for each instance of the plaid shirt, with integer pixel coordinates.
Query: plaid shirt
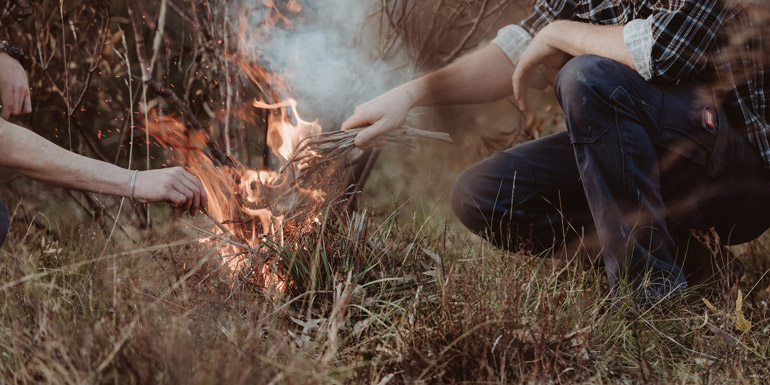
(670, 40)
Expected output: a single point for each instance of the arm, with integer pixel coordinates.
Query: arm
(572, 38)
(671, 44)
(30, 155)
(479, 77)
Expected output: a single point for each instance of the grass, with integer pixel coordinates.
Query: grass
(389, 301)
(397, 293)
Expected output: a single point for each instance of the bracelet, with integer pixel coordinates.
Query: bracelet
(131, 188)
(14, 52)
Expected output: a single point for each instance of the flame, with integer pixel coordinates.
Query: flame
(283, 136)
(252, 204)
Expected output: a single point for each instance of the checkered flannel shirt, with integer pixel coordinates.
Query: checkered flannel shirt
(670, 40)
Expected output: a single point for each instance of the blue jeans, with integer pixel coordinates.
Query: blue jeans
(5, 223)
(635, 172)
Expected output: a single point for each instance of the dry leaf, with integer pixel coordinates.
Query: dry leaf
(741, 323)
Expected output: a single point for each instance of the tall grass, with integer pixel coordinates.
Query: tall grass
(388, 301)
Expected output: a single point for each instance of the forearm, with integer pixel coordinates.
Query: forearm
(29, 154)
(577, 38)
(479, 77)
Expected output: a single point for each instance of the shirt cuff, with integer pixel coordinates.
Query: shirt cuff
(513, 40)
(637, 35)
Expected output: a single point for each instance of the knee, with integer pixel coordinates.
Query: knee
(5, 222)
(466, 201)
(584, 77)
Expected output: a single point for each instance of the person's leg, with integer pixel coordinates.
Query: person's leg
(5, 223)
(618, 124)
(527, 196)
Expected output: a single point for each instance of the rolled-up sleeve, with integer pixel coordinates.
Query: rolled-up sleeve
(513, 40)
(637, 35)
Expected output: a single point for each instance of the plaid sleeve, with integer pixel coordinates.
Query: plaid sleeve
(545, 12)
(683, 36)
(514, 39)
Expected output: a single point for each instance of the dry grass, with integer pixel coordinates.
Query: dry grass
(388, 302)
(395, 295)
(330, 150)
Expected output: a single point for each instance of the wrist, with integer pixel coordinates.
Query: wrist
(415, 92)
(13, 51)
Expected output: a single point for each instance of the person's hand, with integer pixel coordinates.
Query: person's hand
(174, 185)
(14, 89)
(539, 52)
(382, 114)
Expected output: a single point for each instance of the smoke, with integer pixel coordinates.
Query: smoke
(326, 53)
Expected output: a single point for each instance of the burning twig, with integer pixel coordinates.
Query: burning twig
(318, 152)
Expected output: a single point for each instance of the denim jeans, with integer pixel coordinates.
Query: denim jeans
(638, 168)
(5, 223)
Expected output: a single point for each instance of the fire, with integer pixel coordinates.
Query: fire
(283, 136)
(254, 204)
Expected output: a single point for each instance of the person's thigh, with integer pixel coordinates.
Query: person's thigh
(5, 222)
(529, 195)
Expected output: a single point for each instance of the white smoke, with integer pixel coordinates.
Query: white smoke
(329, 57)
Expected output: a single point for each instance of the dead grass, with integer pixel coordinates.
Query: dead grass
(390, 301)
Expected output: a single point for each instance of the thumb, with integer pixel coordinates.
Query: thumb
(6, 100)
(358, 119)
(371, 132)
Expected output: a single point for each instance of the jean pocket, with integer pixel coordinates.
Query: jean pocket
(689, 126)
(694, 142)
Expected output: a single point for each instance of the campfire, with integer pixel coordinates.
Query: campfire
(249, 207)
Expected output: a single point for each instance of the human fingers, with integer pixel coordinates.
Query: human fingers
(6, 100)
(176, 199)
(188, 194)
(520, 89)
(27, 103)
(196, 190)
(360, 117)
(530, 60)
(370, 133)
(18, 100)
(201, 188)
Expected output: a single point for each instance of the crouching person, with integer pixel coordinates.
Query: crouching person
(650, 155)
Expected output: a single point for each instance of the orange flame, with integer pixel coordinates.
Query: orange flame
(253, 205)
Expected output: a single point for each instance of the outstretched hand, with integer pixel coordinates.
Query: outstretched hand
(174, 185)
(14, 89)
(382, 114)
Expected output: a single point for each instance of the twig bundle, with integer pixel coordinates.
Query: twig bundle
(320, 152)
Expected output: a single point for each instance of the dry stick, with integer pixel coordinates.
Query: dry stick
(330, 146)
(221, 238)
(218, 224)
(229, 97)
(66, 70)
